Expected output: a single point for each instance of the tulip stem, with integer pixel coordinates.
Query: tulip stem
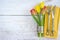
(36, 19)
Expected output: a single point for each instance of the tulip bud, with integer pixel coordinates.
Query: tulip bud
(33, 11)
(43, 10)
(37, 8)
(42, 5)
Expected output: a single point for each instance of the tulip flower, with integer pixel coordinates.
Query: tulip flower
(33, 12)
(37, 8)
(43, 10)
(34, 15)
(42, 5)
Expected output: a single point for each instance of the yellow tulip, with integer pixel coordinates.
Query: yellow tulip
(37, 8)
(42, 5)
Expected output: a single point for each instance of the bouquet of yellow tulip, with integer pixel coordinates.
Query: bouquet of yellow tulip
(38, 13)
